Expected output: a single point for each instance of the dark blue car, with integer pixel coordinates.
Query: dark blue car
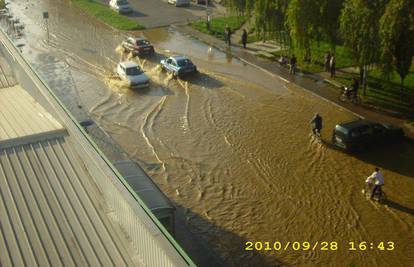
(179, 66)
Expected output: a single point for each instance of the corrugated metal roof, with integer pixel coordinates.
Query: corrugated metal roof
(6, 74)
(22, 118)
(48, 217)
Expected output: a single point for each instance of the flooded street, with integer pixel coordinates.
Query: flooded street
(230, 146)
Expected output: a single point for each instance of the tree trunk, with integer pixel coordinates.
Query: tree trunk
(364, 80)
(402, 83)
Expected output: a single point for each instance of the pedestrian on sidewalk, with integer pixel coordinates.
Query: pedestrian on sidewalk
(293, 62)
(355, 87)
(228, 32)
(327, 61)
(244, 38)
(332, 65)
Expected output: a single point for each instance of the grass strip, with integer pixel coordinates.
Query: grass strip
(218, 25)
(383, 93)
(107, 15)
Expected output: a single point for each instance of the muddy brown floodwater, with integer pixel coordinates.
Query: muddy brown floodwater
(232, 147)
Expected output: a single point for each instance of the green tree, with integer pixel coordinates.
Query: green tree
(359, 26)
(397, 33)
(303, 16)
(237, 6)
(269, 17)
(329, 20)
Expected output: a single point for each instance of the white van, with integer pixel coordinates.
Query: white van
(180, 2)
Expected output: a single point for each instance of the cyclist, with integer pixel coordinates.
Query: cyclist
(378, 180)
(316, 125)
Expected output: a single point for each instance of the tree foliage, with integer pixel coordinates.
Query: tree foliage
(359, 25)
(374, 31)
(330, 11)
(397, 34)
(302, 21)
(269, 16)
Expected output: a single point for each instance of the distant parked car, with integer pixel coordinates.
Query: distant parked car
(202, 2)
(179, 2)
(357, 135)
(138, 46)
(178, 65)
(130, 71)
(120, 6)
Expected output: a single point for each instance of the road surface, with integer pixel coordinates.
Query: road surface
(231, 147)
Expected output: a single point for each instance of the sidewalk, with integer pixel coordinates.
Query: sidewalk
(314, 83)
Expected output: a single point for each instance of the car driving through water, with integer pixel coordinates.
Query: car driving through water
(178, 66)
(130, 72)
(138, 46)
(359, 134)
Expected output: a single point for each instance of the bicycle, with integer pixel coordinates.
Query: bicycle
(347, 94)
(379, 196)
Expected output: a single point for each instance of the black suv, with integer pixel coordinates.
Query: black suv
(356, 135)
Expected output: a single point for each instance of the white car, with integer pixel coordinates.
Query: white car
(179, 2)
(120, 6)
(130, 71)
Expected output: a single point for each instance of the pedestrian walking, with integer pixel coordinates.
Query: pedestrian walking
(332, 65)
(244, 38)
(293, 62)
(327, 61)
(228, 36)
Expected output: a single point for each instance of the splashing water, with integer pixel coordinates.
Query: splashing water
(120, 50)
(116, 84)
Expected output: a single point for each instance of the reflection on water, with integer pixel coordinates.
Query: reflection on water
(232, 147)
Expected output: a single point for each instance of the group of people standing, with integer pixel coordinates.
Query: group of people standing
(329, 59)
(228, 33)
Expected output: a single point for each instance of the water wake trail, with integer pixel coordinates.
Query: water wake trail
(147, 124)
(186, 123)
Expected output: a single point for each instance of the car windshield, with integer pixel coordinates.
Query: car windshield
(184, 62)
(142, 42)
(361, 131)
(122, 2)
(132, 71)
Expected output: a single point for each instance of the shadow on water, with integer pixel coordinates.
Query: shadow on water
(204, 80)
(192, 231)
(163, 91)
(155, 58)
(397, 206)
(400, 162)
(395, 157)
